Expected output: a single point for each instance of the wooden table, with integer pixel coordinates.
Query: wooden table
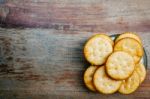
(41, 43)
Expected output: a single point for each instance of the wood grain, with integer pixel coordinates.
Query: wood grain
(46, 62)
(41, 44)
(85, 15)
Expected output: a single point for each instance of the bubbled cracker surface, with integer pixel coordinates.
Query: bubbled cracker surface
(120, 65)
(97, 50)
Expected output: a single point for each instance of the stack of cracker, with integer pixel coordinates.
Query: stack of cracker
(115, 65)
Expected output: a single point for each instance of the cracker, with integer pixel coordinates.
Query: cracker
(103, 83)
(131, 84)
(129, 34)
(97, 49)
(131, 46)
(120, 65)
(140, 68)
(88, 77)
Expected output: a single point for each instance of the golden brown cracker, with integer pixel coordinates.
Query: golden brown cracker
(103, 83)
(120, 65)
(97, 49)
(88, 77)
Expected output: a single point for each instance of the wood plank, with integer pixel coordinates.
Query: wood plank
(85, 15)
(46, 62)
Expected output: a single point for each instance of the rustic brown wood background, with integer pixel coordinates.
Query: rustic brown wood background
(41, 44)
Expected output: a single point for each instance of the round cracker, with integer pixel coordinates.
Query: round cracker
(88, 77)
(120, 65)
(129, 34)
(103, 83)
(140, 68)
(97, 49)
(131, 84)
(131, 46)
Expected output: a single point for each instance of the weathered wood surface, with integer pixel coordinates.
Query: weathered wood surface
(41, 44)
(74, 15)
(47, 62)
